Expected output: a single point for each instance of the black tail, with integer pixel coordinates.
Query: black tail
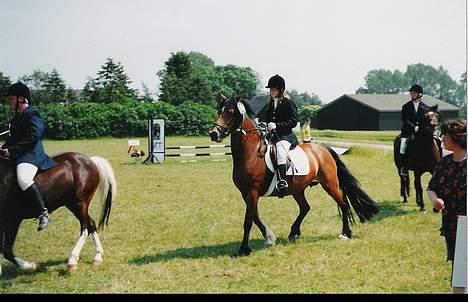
(362, 204)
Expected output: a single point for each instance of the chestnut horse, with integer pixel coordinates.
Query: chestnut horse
(73, 184)
(423, 153)
(252, 177)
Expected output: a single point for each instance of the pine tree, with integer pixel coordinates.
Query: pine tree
(111, 84)
(54, 88)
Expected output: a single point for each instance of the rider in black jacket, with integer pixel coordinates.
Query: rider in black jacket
(282, 117)
(412, 115)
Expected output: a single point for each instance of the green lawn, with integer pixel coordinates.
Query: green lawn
(174, 226)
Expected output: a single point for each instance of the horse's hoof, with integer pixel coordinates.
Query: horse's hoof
(242, 253)
(343, 237)
(294, 238)
(423, 210)
(32, 268)
(72, 267)
(97, 262)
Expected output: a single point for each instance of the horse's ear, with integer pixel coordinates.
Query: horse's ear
(435, 107)
(222, 97)
(238, 98)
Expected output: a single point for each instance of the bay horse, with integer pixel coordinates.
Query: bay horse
(422, 153)
(252, 177)
(73, 183)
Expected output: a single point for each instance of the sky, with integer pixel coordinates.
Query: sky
(325, 47)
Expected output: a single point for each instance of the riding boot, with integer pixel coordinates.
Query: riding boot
(34, 193)
(404, 165)
(282, 185)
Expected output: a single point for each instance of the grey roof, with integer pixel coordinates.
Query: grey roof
(393, 102)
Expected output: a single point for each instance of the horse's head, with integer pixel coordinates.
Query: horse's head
(431, 118)
(231, 114)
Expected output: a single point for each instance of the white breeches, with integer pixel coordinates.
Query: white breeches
(282, 149)
(25, 173)
(403, 145)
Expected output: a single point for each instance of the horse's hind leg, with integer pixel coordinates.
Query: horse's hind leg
(87, 226)
(332, 188)
(304, 208)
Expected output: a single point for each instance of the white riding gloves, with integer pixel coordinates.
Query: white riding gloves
(271, 126)
(416, 128)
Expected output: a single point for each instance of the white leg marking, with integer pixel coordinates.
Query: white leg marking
(27, 266)
(270, 237)
(75, 254)
(99, 249)
(343, 237)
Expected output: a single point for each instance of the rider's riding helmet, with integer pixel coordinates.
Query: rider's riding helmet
(277, 82)
(416, 88)
(19, 89)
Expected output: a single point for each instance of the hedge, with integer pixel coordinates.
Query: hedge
(92, 120)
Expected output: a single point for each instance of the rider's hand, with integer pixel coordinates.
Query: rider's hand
(271, 126)
(416, 128)
(438, 204)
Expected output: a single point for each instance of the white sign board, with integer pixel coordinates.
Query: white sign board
(460, 265)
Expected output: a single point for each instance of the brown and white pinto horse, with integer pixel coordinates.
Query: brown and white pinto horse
(252, 177)
(72, 183)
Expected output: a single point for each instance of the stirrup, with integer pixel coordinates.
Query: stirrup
(44, 220)
(281, 185)
(404, 171)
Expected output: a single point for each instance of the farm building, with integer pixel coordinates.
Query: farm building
(372, 112)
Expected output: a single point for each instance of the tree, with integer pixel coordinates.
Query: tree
(35, 83)
(435, 82)
(146, 96)
(308, 111)
(4, 84)
(54, 88)
(384, 82)
(236, 80)
(461, 91)
(199, 59)
(194, 77)
(111, 84)
(175, 79)
(304, 99)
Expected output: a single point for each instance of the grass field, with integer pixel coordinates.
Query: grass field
(174, 226)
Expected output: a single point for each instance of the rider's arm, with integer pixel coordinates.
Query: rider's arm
(33, 132)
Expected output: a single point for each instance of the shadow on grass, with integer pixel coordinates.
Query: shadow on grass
(391, 208)
(219, 250)
(197, 252)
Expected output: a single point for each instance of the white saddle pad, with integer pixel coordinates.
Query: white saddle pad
(298, 158)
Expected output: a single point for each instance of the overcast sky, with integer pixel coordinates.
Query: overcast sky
(324, 47)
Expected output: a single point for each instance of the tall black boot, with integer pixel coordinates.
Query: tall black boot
(34, 193)
(404, 165)
(282, 185)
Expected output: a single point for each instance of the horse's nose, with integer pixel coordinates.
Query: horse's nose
(214, 135)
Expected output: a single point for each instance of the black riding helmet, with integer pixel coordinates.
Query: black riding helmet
(19, 89)
(277, 82)
(416, 88)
